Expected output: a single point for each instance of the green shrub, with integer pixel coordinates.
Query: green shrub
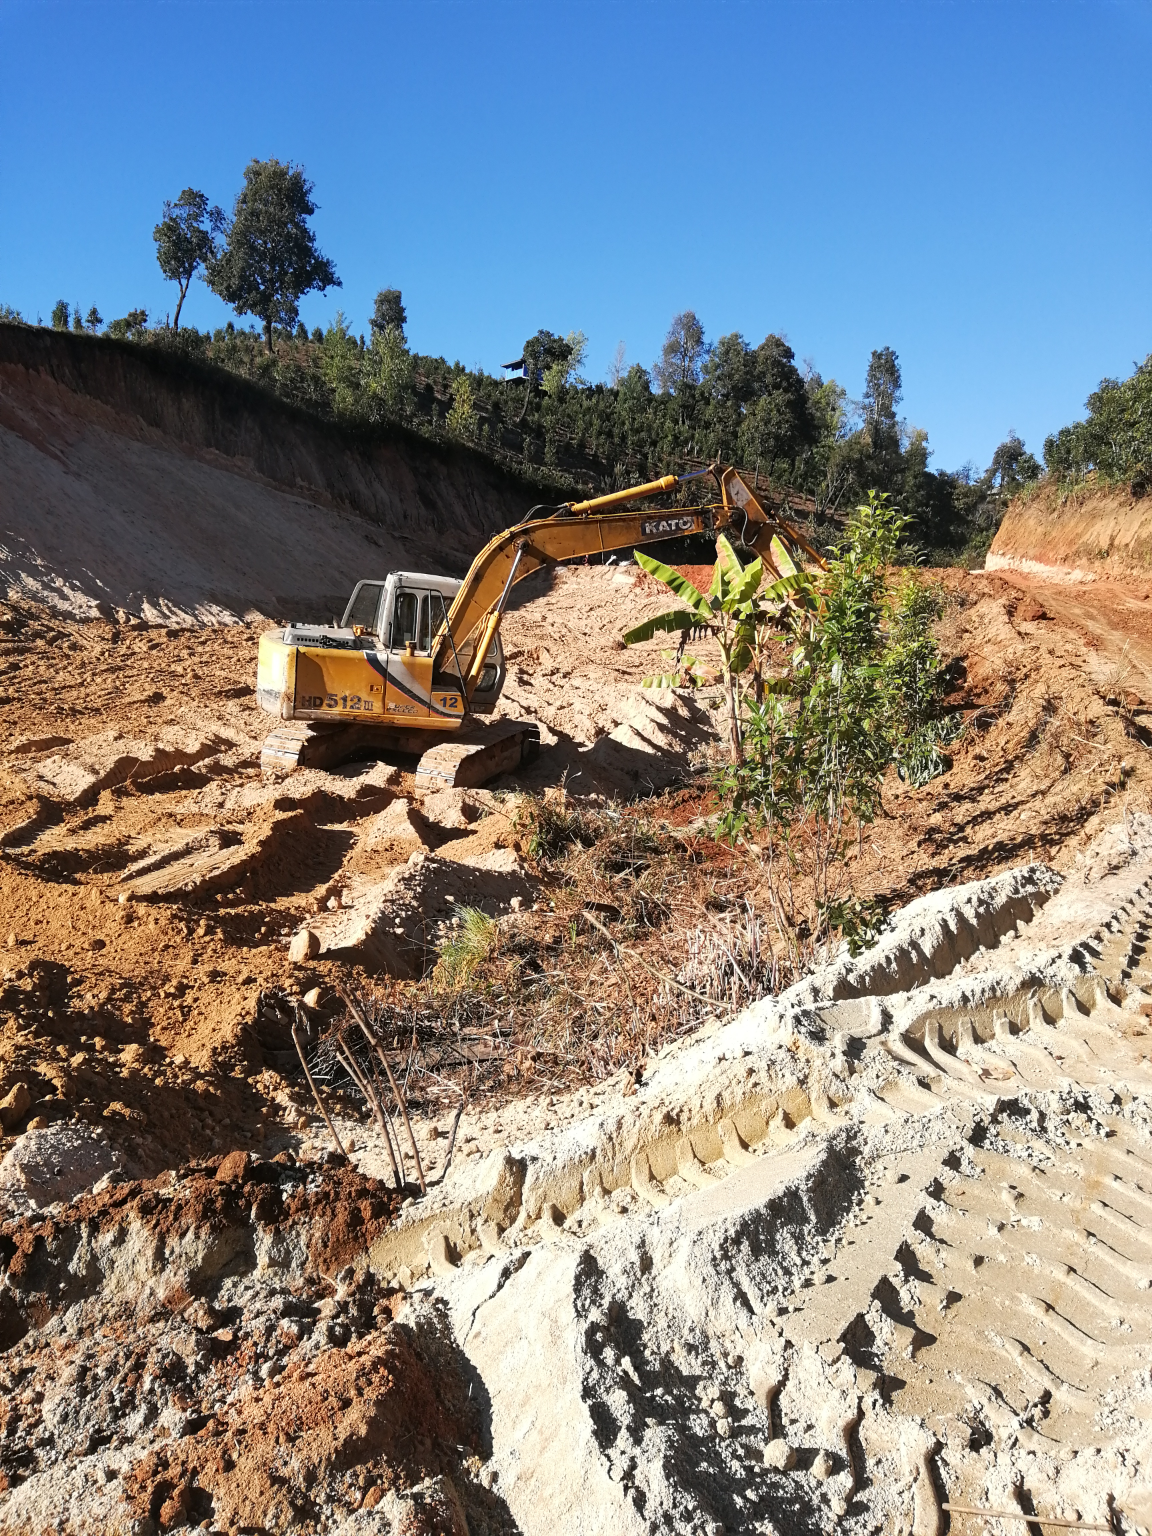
(863, 688)
(1115, 439)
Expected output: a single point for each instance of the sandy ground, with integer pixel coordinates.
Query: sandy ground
(157, 1027)
(95, 518)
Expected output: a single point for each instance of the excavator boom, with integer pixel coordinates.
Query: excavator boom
(588, 527)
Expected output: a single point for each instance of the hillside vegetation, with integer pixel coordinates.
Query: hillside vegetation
(701, 399)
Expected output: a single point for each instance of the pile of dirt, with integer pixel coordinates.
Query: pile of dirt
(209, 1347)
(1058, 714)
(1084, 534)
(569, 669)
(132, 479)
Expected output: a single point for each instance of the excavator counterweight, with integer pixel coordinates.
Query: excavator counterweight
(416, 662)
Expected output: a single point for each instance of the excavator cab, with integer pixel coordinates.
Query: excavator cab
(378, 661)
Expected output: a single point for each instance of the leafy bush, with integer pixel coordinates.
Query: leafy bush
(916, 684)
(860, 921)
(1115, 439)
(863, 687)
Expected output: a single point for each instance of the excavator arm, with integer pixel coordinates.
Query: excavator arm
(590, 527)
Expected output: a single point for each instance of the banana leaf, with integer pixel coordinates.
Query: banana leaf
(682, 587)
(744, 588)
(665, 623)
(728, 556)
(798, 581)
(780, 557)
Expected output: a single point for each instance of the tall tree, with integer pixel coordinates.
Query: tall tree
(270, 259)
(562, 372)
(729, 380)
(389, 313)
(1012, 465)
(60, 312)
(883, 387)
(540, 353)
(880, 449)
(682, 354)
(726, 373)
(186, 240)
(779, 424)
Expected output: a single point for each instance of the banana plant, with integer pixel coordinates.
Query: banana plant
(686, 673)
(736, 612)
(720, 611)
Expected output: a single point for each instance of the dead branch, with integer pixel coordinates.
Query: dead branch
(315, 1091)
(391, 1128)
(395, 1086)
(442, 1175)
(370, 1098)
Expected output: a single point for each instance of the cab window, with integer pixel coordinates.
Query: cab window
(432, 620)
(416, 620)
(364, 606)
(405, 619)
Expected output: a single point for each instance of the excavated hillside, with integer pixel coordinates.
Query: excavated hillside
(132, 479)
(1090, 533)
(689, 1233)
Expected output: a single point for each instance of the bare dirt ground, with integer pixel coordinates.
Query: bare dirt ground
(231, 1369)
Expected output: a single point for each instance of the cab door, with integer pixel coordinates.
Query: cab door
(409, 663)
(413, 693)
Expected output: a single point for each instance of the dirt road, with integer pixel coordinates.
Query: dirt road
(1114, 616)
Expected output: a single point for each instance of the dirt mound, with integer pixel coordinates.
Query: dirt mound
(569, 669)
(1081, 535)
(131, 479)
(210, 1347)
(395, 925)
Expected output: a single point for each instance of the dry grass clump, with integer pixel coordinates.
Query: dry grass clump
(642, 932)
(477, 938)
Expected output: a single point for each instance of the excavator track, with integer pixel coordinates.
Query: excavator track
(482, 755)
(305, 744)
(461, 762)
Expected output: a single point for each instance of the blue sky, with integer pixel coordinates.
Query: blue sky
(967, 183)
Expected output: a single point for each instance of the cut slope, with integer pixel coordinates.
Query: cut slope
(1092, 532)
(134, 479)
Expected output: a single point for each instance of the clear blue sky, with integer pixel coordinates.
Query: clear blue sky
(968, 183)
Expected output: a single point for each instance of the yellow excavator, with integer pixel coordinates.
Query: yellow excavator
(416, 661)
